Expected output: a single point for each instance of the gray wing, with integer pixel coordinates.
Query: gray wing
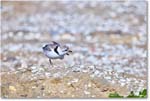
(55, 43)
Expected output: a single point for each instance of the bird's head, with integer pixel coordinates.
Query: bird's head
(65, 49)
(46, 48)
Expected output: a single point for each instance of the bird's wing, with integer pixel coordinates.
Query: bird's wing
(55, 43)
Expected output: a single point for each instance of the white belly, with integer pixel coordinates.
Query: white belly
(51, 54)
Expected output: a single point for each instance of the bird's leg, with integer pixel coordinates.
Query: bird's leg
(50, 62)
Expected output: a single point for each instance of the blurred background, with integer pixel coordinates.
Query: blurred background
(108, 40)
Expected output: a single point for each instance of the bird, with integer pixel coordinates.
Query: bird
(55, 50)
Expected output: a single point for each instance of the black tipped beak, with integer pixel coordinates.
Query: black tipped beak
(70, 51)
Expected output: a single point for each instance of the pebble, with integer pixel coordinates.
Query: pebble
(48, 74)
(34, 71)
(123, 80)
(108, 77)
(84, 71)
(20, 34)
(33, 87)
(57, 75)
(33, 68)
(113, 82)
(76, 69)
(96, 73)
(92, 75)
(12, 88)
(61, 91)
(123, 84)
(10, 34)
(93, 96)
(75, 80)
(87, 92)
(89, 85)
(92, 67)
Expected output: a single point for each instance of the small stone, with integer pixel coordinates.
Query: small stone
(84, 71)
(12, 88)
(69, 83)
(33, 87)
(89, 85)
(108, 77)
(73, 95)
(47, 74)
(105, 89)
(96, 72)
(61, 91)
(122, 84)
(91, 67)
(34, 71)
(10, 34)
(93, 96)
(41, 69)
(75, 80)
(33, 67)
(25, 95)
(76, 69)
(42, 88)
(122, 80)
(87, 92)
(113, 82)
(56, 75)
(92, 76)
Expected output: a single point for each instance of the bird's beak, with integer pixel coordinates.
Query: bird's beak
(70, 51)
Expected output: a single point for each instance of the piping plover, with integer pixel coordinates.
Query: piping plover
(55, 51)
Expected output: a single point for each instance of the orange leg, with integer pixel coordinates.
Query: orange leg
(50, 62)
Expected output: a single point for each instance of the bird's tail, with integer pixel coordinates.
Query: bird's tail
(69, 51)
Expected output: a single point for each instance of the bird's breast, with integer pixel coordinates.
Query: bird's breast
(51, 54)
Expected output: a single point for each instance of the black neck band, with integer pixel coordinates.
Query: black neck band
(55, 49)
